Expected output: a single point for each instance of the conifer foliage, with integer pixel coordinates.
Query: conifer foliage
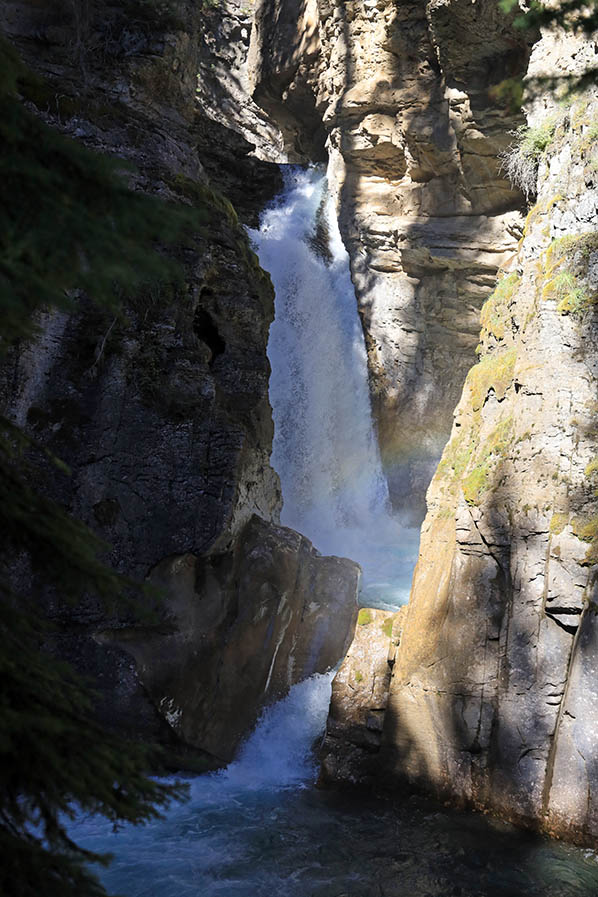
(572, 15)
(68, 223)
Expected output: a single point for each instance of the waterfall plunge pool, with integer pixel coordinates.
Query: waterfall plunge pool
(260, 829)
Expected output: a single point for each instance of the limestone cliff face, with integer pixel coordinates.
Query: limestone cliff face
(493, 699)
(162, 414)
(406, 97)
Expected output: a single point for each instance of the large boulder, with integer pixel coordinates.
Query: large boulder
(236, 631)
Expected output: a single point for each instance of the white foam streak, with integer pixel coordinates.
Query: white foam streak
(278, 753)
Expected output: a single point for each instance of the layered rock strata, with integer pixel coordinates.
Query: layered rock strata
(238, 144)
(162, 413)
(411, 101)
(493, 699)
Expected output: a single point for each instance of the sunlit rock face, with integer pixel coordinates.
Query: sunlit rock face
(350, 750)
(414, 125)
(162, 414)
(493, 700)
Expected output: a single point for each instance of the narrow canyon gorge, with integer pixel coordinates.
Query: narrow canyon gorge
(351, 451)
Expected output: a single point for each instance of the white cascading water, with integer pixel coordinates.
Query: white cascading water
(220, 841)
(325, 449)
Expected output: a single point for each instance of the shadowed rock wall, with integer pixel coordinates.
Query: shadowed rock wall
(162, 414)
(493, 700)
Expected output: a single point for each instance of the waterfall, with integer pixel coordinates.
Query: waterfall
(226, 838)
(325, 449)
(257, 828)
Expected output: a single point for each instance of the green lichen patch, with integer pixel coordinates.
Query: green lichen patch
(456, 456)
(467, 463)
(493, 372)
(358, 676)
(476, 483)
(365, 617)
(494, 314)
(493, 449)
(387, 627)
(584, 244)
(558, 522)
(584, 126)
(445, 512)
(530, 218)
(572, 298)
(565, 268)
(586, 529)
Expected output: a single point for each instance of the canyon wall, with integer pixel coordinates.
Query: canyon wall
(485, 694)
(162, 412)
(493, 699)
(490, 698)
(410, 101)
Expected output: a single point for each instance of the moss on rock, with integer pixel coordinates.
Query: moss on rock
(494, 313)
(365, 617)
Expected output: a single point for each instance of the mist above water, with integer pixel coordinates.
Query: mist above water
(325, 449)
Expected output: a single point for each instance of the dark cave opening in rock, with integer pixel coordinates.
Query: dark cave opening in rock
(206, 330)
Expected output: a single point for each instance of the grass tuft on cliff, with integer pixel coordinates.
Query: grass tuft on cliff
(522, 159)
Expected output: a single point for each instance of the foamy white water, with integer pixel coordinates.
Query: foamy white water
(257, 829)
(279, 752)
(228, 814)
(325, 449)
